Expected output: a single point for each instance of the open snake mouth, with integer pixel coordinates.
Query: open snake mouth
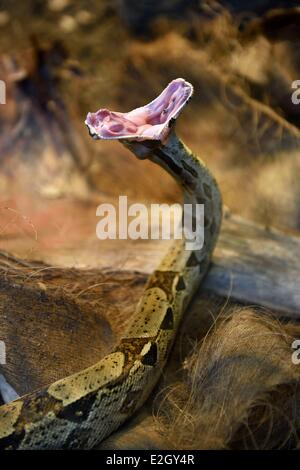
(150, 122)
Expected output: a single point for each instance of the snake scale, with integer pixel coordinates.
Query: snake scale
(81, 410)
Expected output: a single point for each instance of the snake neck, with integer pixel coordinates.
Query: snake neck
(185, 264)
(199, 188)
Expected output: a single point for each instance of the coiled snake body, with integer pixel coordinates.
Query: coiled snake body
(81, 410)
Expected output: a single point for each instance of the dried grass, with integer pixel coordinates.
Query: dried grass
(240, 387)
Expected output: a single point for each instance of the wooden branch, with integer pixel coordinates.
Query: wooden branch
(257, 265)
(252, 264)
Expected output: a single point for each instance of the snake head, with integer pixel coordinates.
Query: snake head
(152, 122)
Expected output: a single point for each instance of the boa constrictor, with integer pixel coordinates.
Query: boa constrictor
(81, 410)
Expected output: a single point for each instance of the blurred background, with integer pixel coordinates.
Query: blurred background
(63, 58)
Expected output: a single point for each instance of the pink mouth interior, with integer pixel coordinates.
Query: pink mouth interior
(150, 122)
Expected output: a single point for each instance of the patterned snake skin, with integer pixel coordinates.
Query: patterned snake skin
(81, 410)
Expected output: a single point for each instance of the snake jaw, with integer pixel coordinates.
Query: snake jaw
(144, 149)
(152, 122)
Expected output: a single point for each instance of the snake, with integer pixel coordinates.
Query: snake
(81, 410)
